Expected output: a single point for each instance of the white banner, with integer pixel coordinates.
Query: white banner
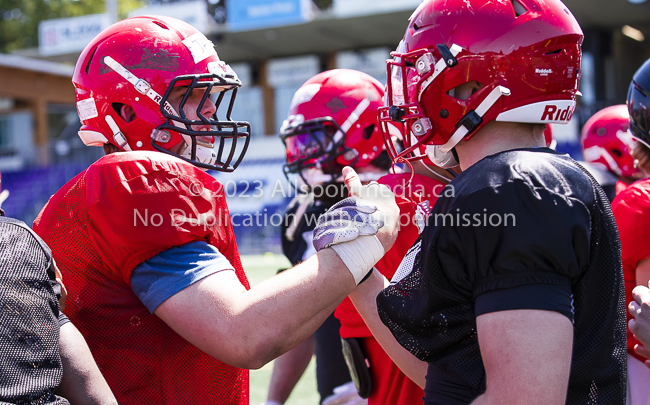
(370, 61)
(68, 35)
(195, 13)
(243, 71)
(350, 8)
(292, 71)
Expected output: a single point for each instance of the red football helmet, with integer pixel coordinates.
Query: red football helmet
(332, 123)
(137, 62)
(523, 55)
(606, 141)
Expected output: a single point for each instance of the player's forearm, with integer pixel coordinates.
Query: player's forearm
(82, 382)
(247, 329)
(296, 302)
(364, 300)
(288, 368)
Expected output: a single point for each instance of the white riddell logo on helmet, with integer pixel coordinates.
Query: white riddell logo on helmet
(543, 72)
(553, 113)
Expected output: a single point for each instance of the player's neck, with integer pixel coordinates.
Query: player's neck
(431, 171)
(497, 137)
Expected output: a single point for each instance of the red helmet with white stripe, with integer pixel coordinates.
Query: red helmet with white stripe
(137, 63)
(522, 55)
(332, 123)
(606, 141)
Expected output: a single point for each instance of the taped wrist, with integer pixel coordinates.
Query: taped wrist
(360, 255)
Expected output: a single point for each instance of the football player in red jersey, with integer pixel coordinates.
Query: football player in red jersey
(607, 149)
(513, 293)
(144, 238)
(631, 209)
(416, 189)
(332, 123)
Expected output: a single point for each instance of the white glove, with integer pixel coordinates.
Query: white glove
(345, 394)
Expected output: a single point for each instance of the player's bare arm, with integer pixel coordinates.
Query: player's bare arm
(364, 298)
(249, 328)
(527, 357)
(82, 382)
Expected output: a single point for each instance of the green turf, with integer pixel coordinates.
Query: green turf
(258, 268)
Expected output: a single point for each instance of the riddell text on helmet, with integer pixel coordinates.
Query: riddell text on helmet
(552, 113)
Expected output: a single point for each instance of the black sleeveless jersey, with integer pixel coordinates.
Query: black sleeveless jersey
(526, 229)
(30, 365)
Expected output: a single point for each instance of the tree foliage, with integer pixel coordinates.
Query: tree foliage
(19, 19)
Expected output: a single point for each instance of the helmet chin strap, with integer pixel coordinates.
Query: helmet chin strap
(203, 154)
(442, 155)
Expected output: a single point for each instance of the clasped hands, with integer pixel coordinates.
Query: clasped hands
(360, 228)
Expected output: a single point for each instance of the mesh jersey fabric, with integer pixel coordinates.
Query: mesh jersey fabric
(124, 209)
(565, 235)
(390, 385)
(331, 370)
(632, 212)
(30, 365)
(408, 194)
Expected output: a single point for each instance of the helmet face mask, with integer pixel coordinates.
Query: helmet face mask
(139, 62)
(232, 136)
(523, 57)
(638, 104)
(316, 144)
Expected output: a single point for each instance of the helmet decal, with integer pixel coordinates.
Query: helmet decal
(200, 47)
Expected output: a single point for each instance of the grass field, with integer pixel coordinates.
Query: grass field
(259, 268)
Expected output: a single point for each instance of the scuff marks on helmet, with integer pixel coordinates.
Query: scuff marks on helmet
(335, 105)
(150, 59)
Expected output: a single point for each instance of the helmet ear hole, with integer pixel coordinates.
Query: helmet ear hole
(125, 112)
(90, 60)
(465, 91)
(367, 132)
(519, 8)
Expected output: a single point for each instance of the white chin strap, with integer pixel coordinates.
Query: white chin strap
(203, 154)
(442, 155)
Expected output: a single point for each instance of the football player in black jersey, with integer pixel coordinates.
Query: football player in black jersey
(513, 294)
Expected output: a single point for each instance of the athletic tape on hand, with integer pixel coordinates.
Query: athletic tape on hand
(360, 255)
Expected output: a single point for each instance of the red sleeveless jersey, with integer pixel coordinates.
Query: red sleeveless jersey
(631, 208)
(122, 210)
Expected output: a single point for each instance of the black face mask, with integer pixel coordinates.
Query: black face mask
(232, 136)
